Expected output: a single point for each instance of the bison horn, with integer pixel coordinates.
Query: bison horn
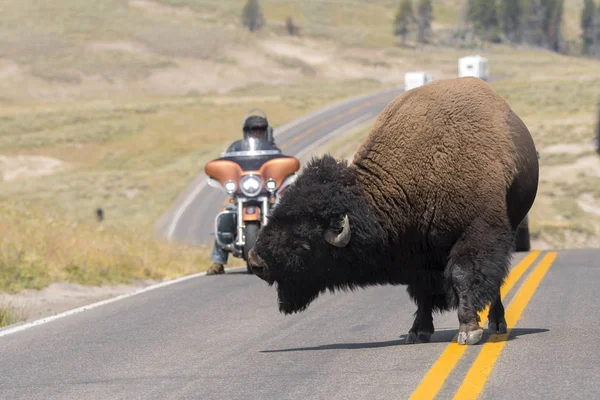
(343, 238)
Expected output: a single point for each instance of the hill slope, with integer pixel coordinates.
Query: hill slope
(69, 49)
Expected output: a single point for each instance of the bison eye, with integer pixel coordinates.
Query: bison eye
(305, 246)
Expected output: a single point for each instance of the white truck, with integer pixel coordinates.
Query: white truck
(415, 79)
(476, 66)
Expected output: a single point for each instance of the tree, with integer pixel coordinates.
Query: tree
(587, 25)
(489, 19)
(541, 23)
(553, 23)
(425, 16)
(252, 16)
(595, 48)
(532, 23)
(510, 15)
(291, 28)
(483, 14)
(473, 12)
(598, 127)
(404, 19)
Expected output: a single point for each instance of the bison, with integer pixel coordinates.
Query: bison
(432, 200)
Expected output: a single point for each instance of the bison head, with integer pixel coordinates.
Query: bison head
(321, 236)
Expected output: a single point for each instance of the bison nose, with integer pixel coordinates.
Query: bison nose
(257, 265)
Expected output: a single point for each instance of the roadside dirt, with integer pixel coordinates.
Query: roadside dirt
(19, 167)
(60, 297)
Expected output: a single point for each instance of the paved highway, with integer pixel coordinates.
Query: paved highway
(191, 219)
(221, 337)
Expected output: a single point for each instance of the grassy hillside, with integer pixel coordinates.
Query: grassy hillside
(118, 104)
(69, 49)
(557, 98)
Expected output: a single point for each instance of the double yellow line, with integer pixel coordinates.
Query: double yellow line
(477, 375)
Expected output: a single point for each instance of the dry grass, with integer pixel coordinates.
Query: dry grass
(131, 159)
(57, 41)
(10, 315)
(557, 97)
(38, 247)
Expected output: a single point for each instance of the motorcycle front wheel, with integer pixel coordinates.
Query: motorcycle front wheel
(251, 234)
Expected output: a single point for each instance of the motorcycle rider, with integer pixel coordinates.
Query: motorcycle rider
(254, 127)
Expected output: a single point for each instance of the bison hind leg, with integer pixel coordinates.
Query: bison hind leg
(478, 264)
(497, 322)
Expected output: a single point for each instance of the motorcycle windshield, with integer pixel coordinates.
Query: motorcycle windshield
(251, 154)
(251, 148)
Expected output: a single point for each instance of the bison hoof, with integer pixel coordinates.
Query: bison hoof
(497, 327)
(471, 337)
(418, 337)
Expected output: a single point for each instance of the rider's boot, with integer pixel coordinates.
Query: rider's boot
(215, 269)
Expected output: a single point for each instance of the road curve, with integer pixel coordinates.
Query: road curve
(221, 337)
(191, 219)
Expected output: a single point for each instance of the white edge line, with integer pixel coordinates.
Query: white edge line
(9, 330)
(183, 207)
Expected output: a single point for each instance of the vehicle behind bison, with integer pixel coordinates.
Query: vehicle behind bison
(432, 200)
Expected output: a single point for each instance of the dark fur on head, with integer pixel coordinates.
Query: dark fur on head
(293, 242)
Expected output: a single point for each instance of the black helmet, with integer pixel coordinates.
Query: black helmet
(253, 120)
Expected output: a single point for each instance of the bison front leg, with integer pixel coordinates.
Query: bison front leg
(428, 295)
(478, 264)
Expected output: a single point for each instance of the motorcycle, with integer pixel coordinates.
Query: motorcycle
(253, 173)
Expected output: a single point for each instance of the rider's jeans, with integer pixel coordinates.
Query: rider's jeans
(218, 255)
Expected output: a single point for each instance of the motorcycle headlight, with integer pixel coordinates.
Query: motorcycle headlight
(250, 185)
(271, 185)
(230, 186)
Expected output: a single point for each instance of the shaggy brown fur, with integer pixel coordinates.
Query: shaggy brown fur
(434, 197)
(440, 152)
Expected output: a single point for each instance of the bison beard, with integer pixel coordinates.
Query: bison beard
(432, 200)
(294, 301)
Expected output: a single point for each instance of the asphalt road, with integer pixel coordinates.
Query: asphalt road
(191, 219)
(221, 337)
